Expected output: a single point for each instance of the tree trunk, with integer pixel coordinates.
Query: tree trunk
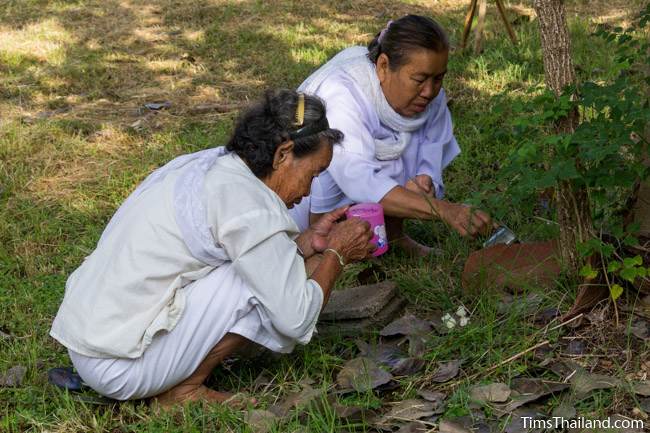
(573, 210)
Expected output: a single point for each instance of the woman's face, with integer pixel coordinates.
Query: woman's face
(411, 87)
(291, 176)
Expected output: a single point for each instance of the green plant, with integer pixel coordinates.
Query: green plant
(604, 156)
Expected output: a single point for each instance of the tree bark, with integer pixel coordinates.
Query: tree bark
(573, 210)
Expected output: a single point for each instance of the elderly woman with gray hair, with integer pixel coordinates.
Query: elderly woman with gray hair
(203, 257)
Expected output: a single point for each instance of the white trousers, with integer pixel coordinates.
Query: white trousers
(215, 305)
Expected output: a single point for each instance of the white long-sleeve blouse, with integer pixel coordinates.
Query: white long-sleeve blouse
(132, 285)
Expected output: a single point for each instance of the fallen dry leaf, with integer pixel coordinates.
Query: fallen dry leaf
(362, 374)
(644, 404)
(261, 382)
(413, 427)
(446, 371)
(436, 321)
(13, 377)
(407, 325)
(641, 329)
(452, 426)
(584, 382)
(407, 410)
(391, 356)
(642, 388)
(564, 368)
(526, 390)
(528, 385)
(564, 410)
(576, 347)
(545, 316)
(408, 366)
(491, 393)
(435, 397)
(297, 400)
(527, 305)
(350, 414)
(418, 345)
(385, 354)
(262, 421)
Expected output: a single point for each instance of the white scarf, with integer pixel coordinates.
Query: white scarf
(355, 63)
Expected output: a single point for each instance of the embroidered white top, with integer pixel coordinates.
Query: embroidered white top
(131, 286)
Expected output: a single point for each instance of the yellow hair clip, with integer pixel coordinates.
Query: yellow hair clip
(300, 110)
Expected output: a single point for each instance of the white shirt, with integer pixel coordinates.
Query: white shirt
(357, 175)
(131, 286)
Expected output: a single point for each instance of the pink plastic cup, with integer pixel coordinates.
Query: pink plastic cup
(374, 214)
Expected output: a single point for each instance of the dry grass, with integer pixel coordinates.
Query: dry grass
(103, 59)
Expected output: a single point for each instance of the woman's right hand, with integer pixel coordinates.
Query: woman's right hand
(351, 239)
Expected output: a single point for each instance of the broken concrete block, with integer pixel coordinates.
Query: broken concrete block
(358, 302)
(352, 327)
(358, 310)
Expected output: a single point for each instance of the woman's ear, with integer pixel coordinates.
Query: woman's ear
(282, 153)
(382, 67)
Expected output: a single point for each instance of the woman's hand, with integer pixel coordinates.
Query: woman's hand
(351, 239)
(466, 220)
(322, 228)
(422, 183)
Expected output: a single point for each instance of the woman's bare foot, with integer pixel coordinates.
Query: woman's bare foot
(181, 394)
(192, 388)
(414, 248)
(399, 239)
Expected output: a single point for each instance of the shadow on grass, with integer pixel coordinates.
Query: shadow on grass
(87, 51)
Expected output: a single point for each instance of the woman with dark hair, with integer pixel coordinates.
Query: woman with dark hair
(203, 257)
(388, 101)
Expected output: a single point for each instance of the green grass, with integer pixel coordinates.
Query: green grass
(61, 178)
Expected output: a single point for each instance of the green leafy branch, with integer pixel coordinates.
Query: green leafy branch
(605, 155)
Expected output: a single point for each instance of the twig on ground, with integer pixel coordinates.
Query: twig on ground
(568, 378)
(518, 355)
(564, 323)
(506, 361)
(209, 108)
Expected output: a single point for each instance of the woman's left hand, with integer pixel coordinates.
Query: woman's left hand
(321, 228)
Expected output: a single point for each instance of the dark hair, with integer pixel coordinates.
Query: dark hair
(271, 122)
(411, 32)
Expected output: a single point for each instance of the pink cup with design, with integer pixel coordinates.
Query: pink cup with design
(374, 214)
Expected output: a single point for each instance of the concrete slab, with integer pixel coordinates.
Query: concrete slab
(358, 302)
(353, 327)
